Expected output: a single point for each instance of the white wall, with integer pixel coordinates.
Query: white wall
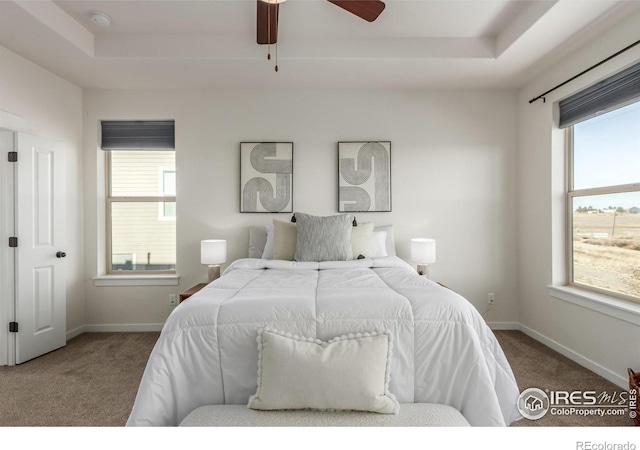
(605, 344)
(453, 178)
(52, 107)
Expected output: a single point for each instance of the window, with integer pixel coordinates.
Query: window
(168, 188)
(140, 196)
(140, 239)
(604, 202)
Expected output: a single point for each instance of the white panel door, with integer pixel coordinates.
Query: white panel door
(40, 222)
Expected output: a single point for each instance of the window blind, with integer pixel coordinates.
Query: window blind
(138, 135)
(604, 96)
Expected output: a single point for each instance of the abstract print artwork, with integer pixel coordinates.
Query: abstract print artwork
(364, 176)
(266, 177)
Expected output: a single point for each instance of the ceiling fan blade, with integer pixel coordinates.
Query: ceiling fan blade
(368, 10)
(267, 19)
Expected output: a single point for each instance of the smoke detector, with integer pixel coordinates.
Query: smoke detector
(100, 19)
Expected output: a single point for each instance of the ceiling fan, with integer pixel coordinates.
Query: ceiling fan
(267, 15)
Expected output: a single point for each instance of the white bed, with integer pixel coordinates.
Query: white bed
(444, 352)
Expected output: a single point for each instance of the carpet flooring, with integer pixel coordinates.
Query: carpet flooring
(92, 382)
(536, 365)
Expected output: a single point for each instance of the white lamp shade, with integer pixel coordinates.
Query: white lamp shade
(213, 251)
(423, 250)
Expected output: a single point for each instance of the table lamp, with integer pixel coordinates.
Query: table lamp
(213, 252)
(423, 253)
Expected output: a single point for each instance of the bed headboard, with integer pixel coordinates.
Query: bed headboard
(257, 241)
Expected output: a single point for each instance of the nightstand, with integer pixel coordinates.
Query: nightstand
(189, 292)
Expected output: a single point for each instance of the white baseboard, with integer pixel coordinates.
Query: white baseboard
(564, 351)
(577, 358)
(75, 332)
(504, 325)
(115, 328)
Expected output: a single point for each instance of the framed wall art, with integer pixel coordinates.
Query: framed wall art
(364, 176)
(266, 177)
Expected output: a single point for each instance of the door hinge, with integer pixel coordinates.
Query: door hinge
(13, 156)
(13, 327)
(13, 242)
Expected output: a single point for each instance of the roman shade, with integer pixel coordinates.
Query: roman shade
(138, 135)
(609, 94)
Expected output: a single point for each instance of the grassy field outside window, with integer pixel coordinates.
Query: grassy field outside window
(604, 203)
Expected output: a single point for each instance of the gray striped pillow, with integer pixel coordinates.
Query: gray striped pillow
(323, 238)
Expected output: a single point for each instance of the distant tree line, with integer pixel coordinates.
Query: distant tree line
(586, 209)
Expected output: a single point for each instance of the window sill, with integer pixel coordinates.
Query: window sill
(620, 309)
(136, 280)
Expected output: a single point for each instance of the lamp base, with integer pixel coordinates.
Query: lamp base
(214, 272)
(423, 269)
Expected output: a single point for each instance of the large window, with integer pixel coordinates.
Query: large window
(604, 202)
(141, 227)
(140, 195)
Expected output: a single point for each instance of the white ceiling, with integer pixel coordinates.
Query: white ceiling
(212, 43)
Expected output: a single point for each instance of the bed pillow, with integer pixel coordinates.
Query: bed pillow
(346, 373)
(362, 242)
(323, 238)
(379, 242)
(390, 241)
(285, 236)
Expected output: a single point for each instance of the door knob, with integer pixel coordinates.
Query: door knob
(61, 255)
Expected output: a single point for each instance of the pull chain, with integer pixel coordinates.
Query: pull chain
(269, 31)
(269, 2)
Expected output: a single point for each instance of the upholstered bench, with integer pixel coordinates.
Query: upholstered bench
(410, 415)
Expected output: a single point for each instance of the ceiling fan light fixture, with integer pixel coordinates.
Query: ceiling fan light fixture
(100, 19)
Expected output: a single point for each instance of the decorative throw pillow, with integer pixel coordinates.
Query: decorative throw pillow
(285, 236)
(362, 242)
(347, 373)
(323, 238)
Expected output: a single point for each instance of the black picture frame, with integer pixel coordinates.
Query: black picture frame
(364, 176)
(266, 177)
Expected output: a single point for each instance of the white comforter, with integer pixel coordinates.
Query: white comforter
(443, 353)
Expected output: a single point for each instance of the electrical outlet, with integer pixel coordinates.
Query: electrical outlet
(173, 302)
(491, 298)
